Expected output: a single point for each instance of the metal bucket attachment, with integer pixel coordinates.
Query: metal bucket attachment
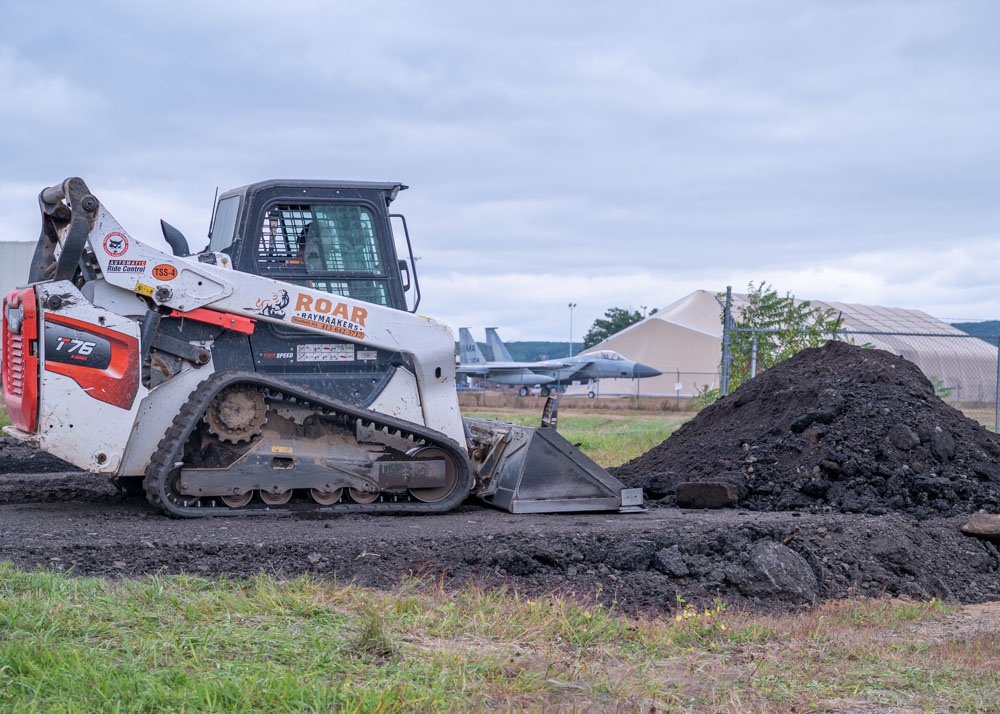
(522, 469)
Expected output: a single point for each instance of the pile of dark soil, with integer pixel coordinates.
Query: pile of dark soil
(837, 428)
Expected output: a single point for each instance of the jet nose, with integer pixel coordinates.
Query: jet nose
(644, 370)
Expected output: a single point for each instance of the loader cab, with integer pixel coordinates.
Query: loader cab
(330, 236)
(334, 237)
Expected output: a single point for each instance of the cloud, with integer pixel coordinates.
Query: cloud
(609, 158)
(951, 282)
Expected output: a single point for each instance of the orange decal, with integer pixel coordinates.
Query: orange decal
(327, 307)
(164, 271)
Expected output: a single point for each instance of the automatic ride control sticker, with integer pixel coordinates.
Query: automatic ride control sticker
(126, 266)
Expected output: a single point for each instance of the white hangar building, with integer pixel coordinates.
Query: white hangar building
(684, 341)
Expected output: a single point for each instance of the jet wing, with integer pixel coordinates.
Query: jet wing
(564, 370)
(576, 371)
(504, 373)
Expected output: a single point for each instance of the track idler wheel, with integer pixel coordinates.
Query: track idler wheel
(326, 498)
(360, 496)
(431, 495)
(238, 501)
(276, 499)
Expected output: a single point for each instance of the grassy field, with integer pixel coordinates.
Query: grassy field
(610, 438)
(183, 644)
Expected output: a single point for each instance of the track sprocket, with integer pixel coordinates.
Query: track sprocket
(237, 414)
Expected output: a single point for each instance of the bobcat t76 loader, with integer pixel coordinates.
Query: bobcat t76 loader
(281, 370)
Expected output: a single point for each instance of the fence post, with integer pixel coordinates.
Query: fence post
(727, 320)
(996, 393)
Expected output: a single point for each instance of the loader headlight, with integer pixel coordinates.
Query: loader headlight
(14, 317)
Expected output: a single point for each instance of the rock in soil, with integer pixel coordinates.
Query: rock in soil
(983, 525)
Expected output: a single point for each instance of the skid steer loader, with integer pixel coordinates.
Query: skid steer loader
(280, 370)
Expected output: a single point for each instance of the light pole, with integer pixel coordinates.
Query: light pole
(571, 306)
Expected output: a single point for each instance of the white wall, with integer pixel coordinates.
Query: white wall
(15, 257)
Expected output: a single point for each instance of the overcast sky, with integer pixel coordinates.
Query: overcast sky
(597, 153)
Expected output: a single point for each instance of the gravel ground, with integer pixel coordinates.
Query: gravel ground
(848, 477)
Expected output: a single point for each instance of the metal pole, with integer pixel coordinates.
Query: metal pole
(727, 317)
(996, 393)
(571, 306)
(753, 356)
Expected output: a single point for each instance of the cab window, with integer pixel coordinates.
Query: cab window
(330, 247)
(225, 223)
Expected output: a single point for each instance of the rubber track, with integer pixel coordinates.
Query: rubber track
(169, 454)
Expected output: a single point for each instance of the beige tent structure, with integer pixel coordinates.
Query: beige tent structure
(684, 341)
(963, 365)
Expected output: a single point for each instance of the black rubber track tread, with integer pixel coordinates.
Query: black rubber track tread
(169, 453)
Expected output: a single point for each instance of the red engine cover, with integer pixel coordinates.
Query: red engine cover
(104, 362)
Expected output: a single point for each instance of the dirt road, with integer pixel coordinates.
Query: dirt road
(849, 477)
(70, 521)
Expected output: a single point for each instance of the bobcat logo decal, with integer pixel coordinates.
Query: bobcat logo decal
(275, 307)
(115, 244)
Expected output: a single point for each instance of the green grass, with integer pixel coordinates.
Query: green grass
(176, 643)
(183, 644)
(4, 421)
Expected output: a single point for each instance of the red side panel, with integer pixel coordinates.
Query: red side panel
(223, 319)
(104, 362)
(20, 358)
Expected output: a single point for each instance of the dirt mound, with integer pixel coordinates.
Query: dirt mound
(836, 428)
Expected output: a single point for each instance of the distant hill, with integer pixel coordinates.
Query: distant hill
(533, 351)
(986, 330)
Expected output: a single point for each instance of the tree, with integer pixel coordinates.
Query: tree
(780, 327)
(615, 320)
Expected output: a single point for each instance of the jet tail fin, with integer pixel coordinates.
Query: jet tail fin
(468, 350)
(500, 351)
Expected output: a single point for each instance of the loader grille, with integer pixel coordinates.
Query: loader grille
(20, 365)
(13, 365)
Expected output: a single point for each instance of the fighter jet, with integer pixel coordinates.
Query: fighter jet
(472, 363)
(546, 374)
